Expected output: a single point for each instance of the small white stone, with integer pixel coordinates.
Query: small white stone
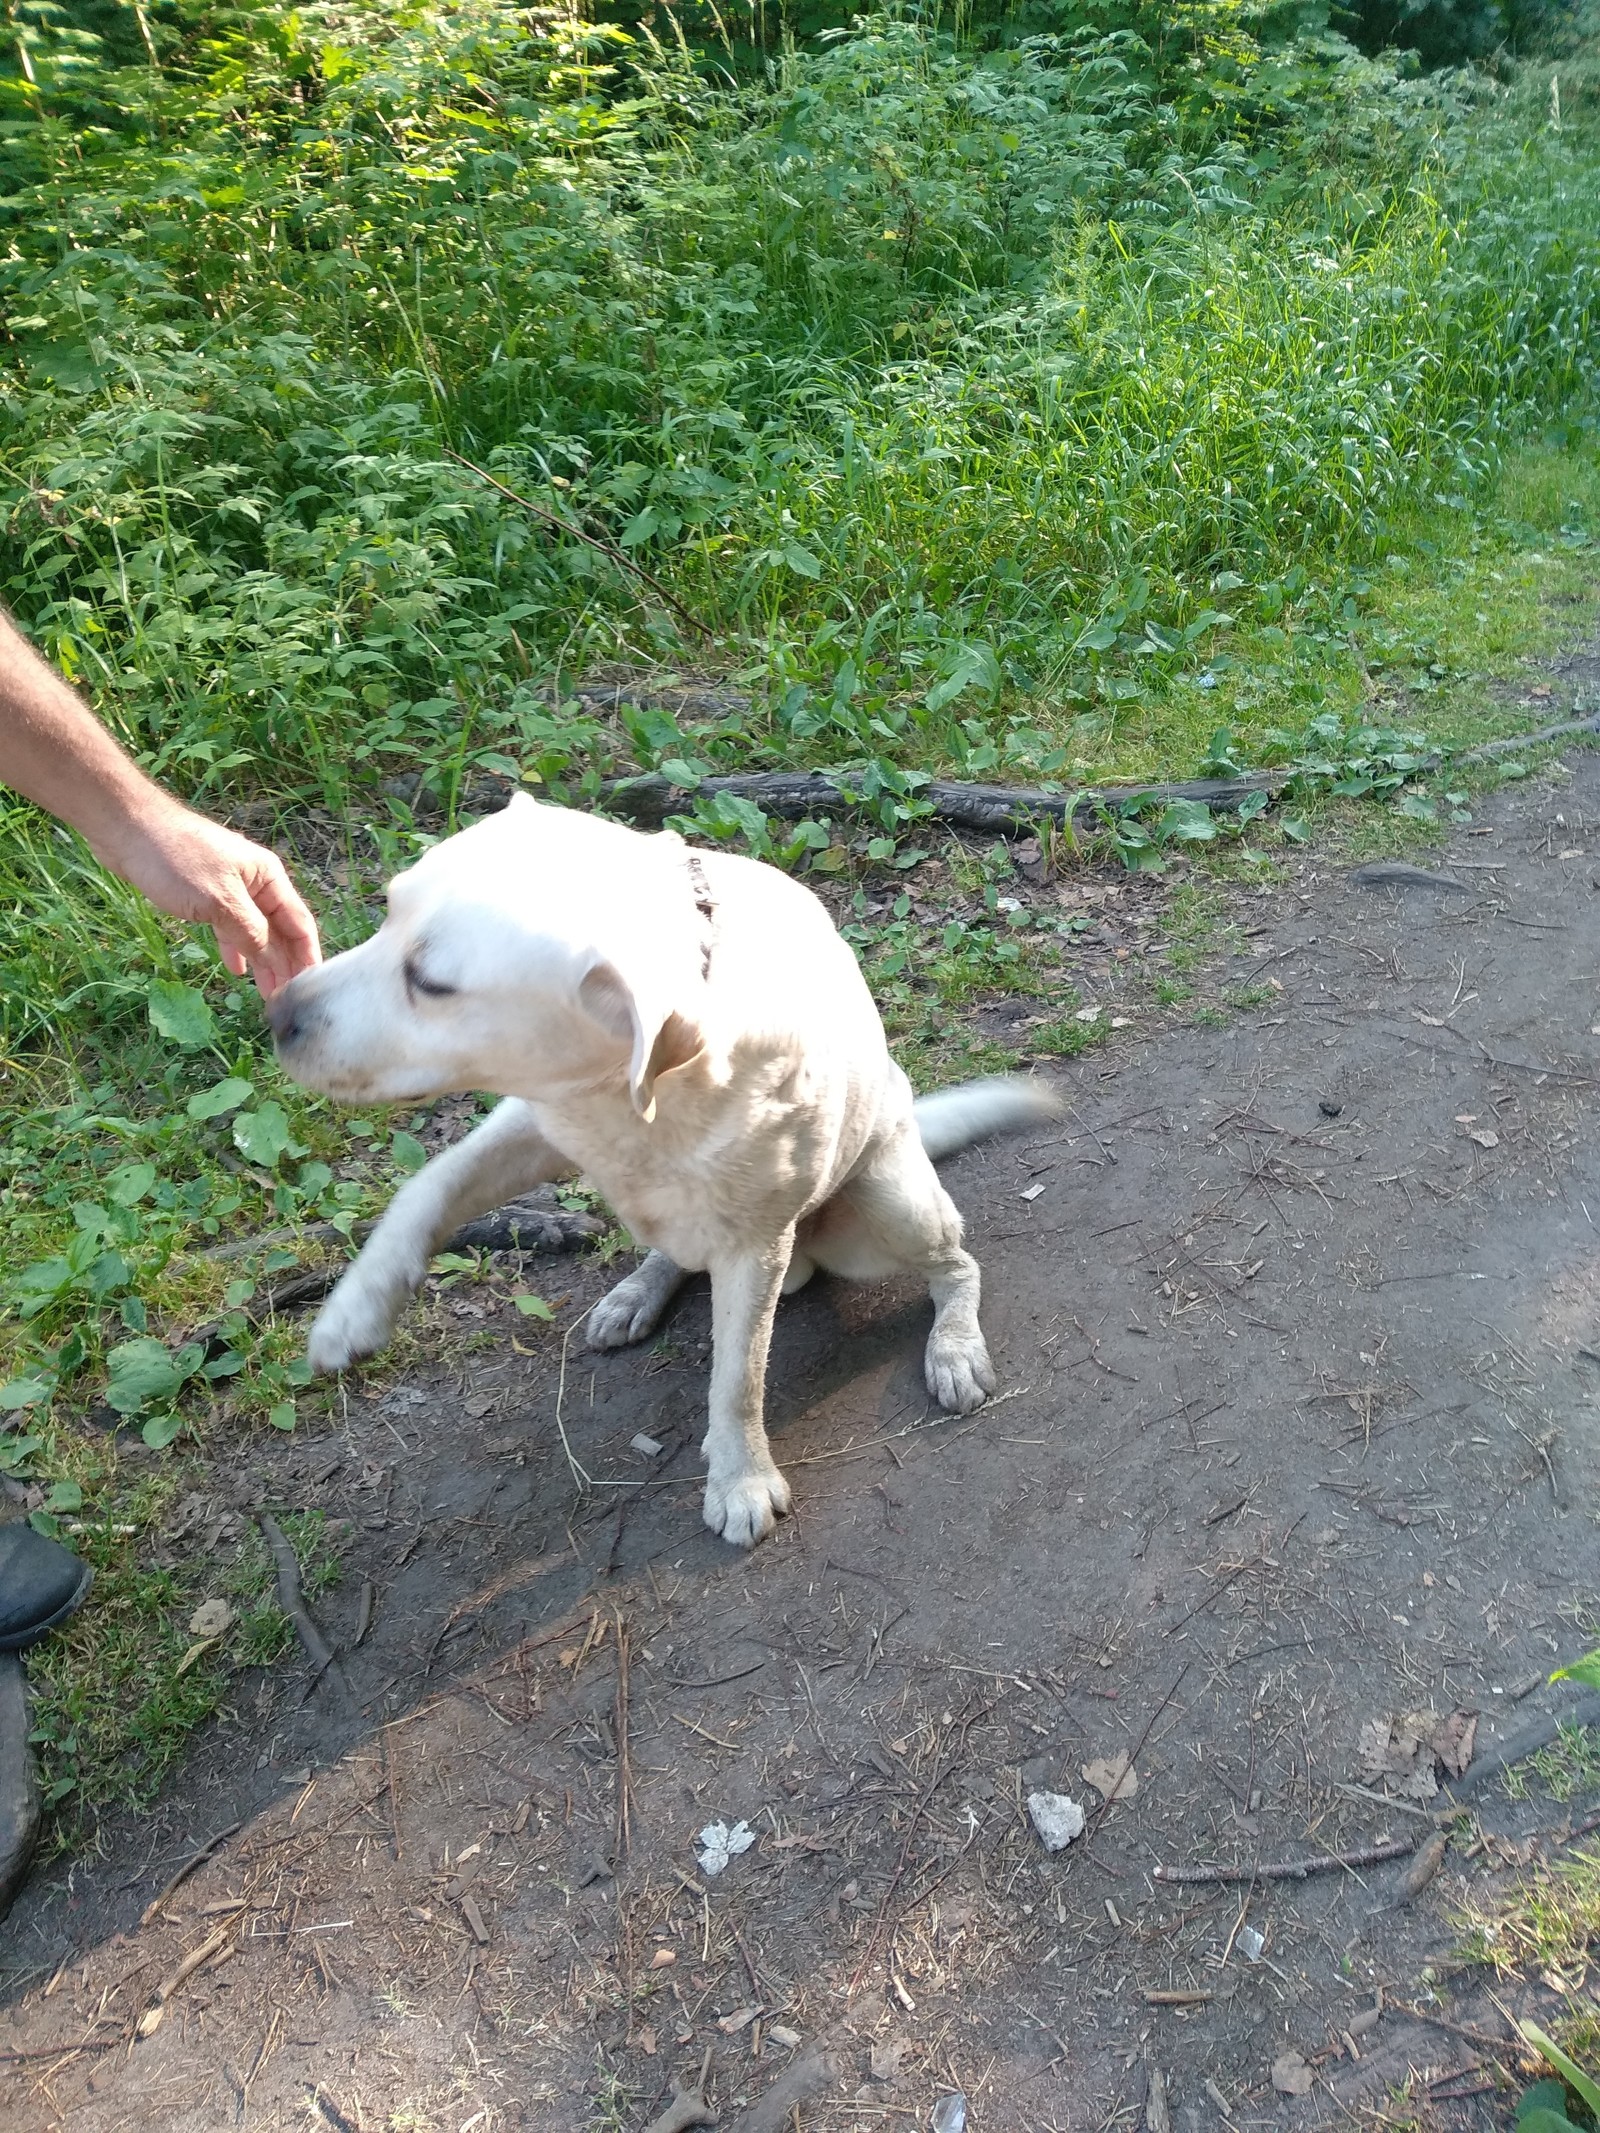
(1057, 1819)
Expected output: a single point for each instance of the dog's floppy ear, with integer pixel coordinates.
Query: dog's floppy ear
(659, 1037)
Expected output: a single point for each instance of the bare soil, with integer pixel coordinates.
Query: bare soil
(1300, 1346)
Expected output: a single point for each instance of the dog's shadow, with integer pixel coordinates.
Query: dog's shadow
(833, 1335)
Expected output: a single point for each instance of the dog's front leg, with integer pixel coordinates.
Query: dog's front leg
(745, 1493)
(506, 1155)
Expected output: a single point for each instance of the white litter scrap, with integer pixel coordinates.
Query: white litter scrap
(719, 1844)
(1057, 1819)
(647, 1445)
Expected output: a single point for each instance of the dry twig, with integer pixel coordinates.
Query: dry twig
(187, 1868)
(590, 540)
(1294, 1869)
(291, 1599)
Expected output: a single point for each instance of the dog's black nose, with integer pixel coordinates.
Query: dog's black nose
(283, 1017)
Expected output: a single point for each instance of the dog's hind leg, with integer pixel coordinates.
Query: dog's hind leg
(634, 1307)
(906, 1219)
(504, 1156)
(745, 1493)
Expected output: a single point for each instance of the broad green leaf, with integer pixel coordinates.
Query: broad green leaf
(180, 1013)
(64, 1496)
(25, 1392)
(408, 1153)
(283, 1415)
(801, 560)
(1586, 1669)
(532, 1306)
(160, 1430)
(221, 1097)
(1186, 821)
(262, 1136)
(976, 667)
(140, 1371)
(108, 1271)
(1543, 2096)
(128, 1184)
(1569, 2070)
(639, 528)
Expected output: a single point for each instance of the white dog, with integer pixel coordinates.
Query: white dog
(688, 1031)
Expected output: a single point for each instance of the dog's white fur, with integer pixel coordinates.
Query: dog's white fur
(723, 1078)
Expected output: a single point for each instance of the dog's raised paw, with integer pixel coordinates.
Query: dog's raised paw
(745, 1509)
(959, 1373)
(352, 1324)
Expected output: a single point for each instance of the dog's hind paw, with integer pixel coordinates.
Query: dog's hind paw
(745, 1509)
(356, 1321)
(959, 1373)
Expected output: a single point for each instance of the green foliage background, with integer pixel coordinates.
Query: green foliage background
(1009, 359)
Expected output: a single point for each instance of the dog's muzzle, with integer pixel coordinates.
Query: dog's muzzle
(288, 1017)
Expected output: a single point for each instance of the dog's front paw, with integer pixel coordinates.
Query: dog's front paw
(626, 1313)
(959, 1373)
(356, 1321)
(745, 1508)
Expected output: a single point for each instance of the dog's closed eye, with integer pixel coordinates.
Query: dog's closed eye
(430, 988)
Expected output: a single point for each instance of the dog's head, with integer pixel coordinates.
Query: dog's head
(538, 952)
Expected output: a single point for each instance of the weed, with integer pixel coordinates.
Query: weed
(1546, 1922)
(613, 2101)
(1568, 1767)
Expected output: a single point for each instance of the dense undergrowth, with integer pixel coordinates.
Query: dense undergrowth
(1032, 401)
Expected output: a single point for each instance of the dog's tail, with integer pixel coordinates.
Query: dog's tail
(950, 1119)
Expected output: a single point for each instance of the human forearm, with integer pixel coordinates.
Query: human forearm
(56, 752)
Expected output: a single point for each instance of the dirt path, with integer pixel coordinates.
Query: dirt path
(1298, 1431)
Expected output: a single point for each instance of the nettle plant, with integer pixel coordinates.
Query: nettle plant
(147, 1211)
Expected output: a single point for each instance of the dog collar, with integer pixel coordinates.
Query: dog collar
(705, 904)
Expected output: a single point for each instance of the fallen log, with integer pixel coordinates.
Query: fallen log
(793, 794)
(519, 1226)
(1486, 751)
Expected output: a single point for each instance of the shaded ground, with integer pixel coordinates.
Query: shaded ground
(1298, 1430)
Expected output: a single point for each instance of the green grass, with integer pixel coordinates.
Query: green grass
(1545, 1922)
(1009, 407)
(1569, 1767)
(117, 1693)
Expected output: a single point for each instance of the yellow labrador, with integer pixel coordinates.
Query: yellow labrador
(688, 1031)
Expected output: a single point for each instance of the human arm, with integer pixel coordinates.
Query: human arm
(56, 753)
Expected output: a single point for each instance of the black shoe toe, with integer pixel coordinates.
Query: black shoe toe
(41, 1584)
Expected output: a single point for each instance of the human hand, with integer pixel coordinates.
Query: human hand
(194, 868)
